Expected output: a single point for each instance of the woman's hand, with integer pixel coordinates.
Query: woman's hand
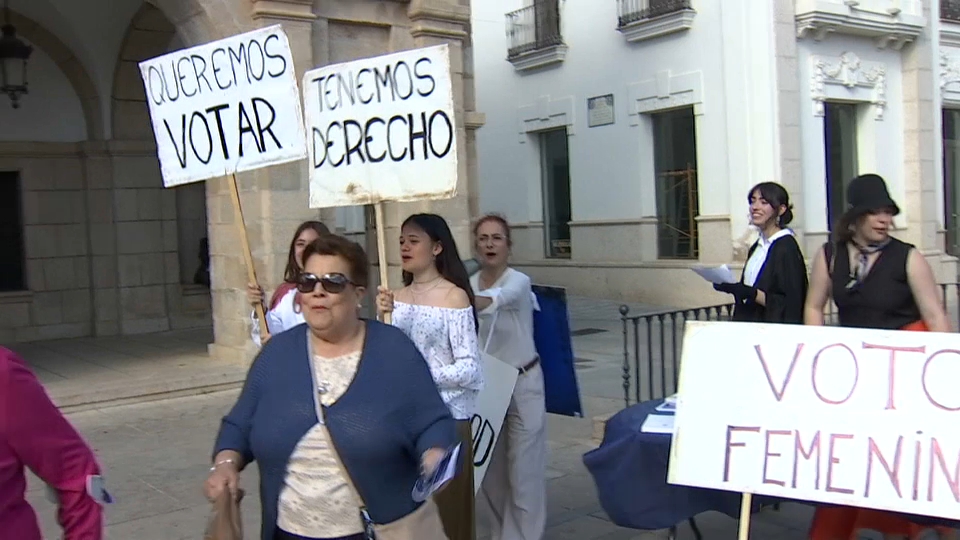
(225, 475)
(384, 300)
(430, 459)
(254, 294)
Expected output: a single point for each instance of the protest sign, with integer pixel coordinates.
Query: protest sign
(499, 379)
(382, 129)
(225, 107)
(842, 416)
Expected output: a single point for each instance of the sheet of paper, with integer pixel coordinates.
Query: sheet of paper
(446, 471)
(716, 274)
(667, 407)
(658, 423)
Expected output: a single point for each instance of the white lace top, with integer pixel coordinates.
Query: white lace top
(315, 500)
(447, 339)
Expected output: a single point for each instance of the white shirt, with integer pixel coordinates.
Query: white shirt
(279, 319)
(510, 338)
(447, 339)
(756, 261)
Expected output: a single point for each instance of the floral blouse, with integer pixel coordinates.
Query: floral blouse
(447, 339)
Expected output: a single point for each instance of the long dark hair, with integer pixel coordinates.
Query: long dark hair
(448, 261)
(777, 196)
(292, 271)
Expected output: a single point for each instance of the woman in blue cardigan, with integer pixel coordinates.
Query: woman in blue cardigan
(376, 403)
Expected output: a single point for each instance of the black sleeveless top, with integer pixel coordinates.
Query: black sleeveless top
(884, 299)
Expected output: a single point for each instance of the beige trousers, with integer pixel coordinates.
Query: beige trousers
(513, 495)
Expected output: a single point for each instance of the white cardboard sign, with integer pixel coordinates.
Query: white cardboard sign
(382, 129)
(224, 107)
(499, 380)
(845, 416)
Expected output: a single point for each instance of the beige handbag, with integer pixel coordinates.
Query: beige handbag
(421, 524)
(225, 522)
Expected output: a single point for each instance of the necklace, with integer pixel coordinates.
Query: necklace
(436, 281)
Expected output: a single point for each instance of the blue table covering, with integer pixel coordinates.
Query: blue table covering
(630, 472)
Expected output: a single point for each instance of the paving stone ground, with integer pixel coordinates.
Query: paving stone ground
(156, 453)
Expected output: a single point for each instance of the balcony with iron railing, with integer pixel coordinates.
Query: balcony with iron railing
(534, 39)
(950, 10)
(638, 20)
(891, 23)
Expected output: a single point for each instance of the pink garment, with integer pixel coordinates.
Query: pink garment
(34, 434)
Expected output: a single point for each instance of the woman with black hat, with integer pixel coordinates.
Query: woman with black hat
(876, 281)
(774, 280)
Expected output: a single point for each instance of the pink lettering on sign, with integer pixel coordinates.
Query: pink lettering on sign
(931, 465)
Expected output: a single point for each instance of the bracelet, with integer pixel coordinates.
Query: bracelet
(222, 462)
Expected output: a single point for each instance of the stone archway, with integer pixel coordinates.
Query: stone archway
(148, 35)
(71, 67)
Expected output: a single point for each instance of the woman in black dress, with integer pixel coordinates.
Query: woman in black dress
(876, 281)
(774, 280)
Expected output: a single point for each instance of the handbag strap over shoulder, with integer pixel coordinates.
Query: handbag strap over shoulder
(342, 467)
(321, 417)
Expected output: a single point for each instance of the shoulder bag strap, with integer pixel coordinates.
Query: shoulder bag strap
(828, 255)
(321, 418)
(493, 324)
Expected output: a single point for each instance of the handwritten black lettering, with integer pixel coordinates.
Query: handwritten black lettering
(282, 68)
(187, 75)
(424, 77)
(410, 137)
(205, 131)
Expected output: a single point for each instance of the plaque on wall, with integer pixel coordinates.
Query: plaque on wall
(600, 111)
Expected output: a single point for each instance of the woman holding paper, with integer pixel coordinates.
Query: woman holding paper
(337, 444)
(773, 285)
(876, 281)
(513, 494)
(435, 308)
(283, 312)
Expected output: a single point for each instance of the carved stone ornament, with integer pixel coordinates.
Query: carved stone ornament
(949, 70)
(866, 81)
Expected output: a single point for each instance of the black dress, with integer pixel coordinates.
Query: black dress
(783, 279)
(883, 299)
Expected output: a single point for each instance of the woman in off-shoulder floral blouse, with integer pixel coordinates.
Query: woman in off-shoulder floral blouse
(435, 309)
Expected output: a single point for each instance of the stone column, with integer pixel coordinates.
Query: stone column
(274, 201)
(788, 104)
(921, 140)
(437, 22)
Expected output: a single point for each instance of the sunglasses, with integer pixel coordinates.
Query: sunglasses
(332, 283)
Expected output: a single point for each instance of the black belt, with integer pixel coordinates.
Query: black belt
(530, 366)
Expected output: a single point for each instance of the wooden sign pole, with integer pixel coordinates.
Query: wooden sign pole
(247, 256)
(745, 505)
(382, 251)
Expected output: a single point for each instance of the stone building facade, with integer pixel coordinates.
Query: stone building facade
(105, 249)
(620, 175)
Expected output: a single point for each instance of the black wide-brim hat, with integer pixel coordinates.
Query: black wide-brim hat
(868, 193)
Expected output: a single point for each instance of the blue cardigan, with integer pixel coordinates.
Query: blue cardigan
(390, 414)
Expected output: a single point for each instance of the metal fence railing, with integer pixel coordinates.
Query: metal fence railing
(652, 343)
(631, 11)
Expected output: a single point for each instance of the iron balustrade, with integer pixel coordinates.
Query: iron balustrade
(651, 343)
(533, 28)
(631, 11)
(950, 10)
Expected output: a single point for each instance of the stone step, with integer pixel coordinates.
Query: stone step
(81, 397)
